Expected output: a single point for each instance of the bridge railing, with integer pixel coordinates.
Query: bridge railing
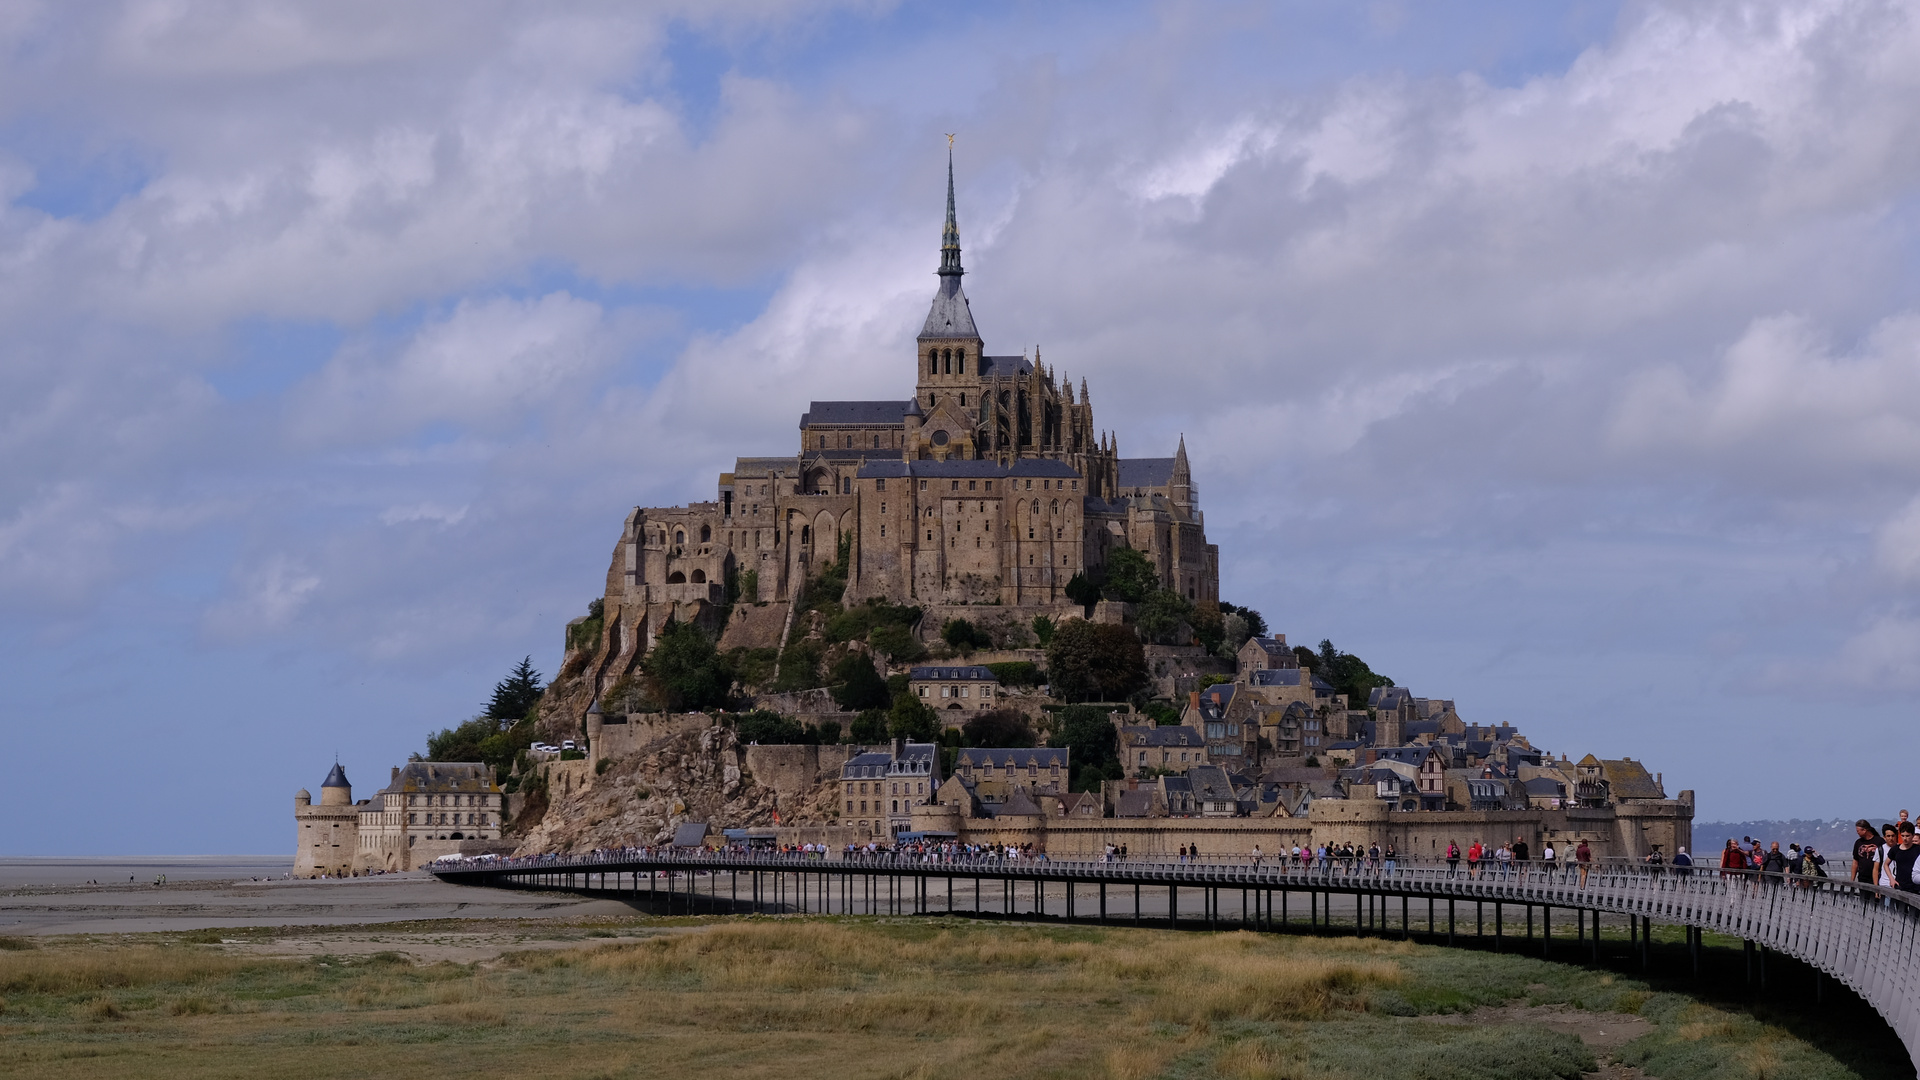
(1538, 880)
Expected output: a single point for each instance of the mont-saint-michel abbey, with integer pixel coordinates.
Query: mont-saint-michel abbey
(973, 522)
(990, 484)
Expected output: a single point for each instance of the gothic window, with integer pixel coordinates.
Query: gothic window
(1054, 507)
(679, 538)
(961, 356)
(933, 361)
(876, 442)
(1035, 508)
(947, 357)
(706, 534)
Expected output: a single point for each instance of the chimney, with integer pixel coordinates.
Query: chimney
(1193, 701)
(899, 748)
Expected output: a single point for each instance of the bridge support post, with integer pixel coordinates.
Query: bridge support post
(1069, 899)
(1596, 937)
(1546, 930)
(1497, 906)
(1746, 950)
(1406, 925)
(1449, 920)
(1103, 901)
(1694, 935)
(1173, 906)
(1136, 903)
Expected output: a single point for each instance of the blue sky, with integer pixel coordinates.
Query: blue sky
(1560, 359)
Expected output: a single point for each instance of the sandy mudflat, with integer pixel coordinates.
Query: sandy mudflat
(202, 905)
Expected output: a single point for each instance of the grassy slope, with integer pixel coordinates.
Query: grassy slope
(853, 998)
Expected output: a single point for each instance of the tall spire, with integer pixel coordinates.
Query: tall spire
(949, 316)
(950, 236)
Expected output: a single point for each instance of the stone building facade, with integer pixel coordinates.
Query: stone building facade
(990, 484)
(428, 809)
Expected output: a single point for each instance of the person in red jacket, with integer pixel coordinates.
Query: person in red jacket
(1473, 860)
(1583, 856)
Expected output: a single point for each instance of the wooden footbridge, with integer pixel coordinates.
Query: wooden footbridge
(1862, 936)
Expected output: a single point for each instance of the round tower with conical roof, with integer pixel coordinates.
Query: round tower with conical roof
(335, 790)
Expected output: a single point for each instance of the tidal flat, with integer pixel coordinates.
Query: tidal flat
(641, 996)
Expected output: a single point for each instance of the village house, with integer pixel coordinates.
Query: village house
(970, 687)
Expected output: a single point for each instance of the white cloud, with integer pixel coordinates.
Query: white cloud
(488, 363)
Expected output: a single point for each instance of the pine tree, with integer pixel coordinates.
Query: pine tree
(516, 695)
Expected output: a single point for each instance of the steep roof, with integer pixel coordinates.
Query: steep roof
(1166, 735)
(1627, 779)
(1014, 757)
(864, 413)
(336, 778)
(991, 366)
(975, 673)
(1146, 472)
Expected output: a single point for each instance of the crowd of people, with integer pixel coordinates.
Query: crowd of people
(1886, 857)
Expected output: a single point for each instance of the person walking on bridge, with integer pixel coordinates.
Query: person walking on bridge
(1453, 857)
(1583, 856)
(1473, 860)
(1866, 850)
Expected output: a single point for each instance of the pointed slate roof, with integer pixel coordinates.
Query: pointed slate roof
(950, 317)
(336, 778)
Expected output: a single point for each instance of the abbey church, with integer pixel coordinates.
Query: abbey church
(990, 485)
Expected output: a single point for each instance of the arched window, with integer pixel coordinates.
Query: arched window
(1035, 508)
(1053, 507)
(699, 577)
(706, 534)
(960, 363)
(676, 578)
(947, 356)
(933, 361)
(680, 537)
(806, 534)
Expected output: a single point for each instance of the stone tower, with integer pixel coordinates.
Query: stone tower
(950, 357)
(326, 836)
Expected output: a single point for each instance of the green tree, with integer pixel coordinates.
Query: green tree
(1162, 615)
(910, 718)
(1092, 745)
(1043, 626)
(1256, 624)
(964, 636)
(516, 695)
(896, 643)
(1095, 662)
(1349, 675)
(770, 729)
(868, 728)
(585, 634)
(1130, 577)
(999, 728)
(856, 685)
(1082, 590)
(1016, 673)
(684, 671)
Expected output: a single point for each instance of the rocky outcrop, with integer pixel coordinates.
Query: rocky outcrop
(699, 776)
